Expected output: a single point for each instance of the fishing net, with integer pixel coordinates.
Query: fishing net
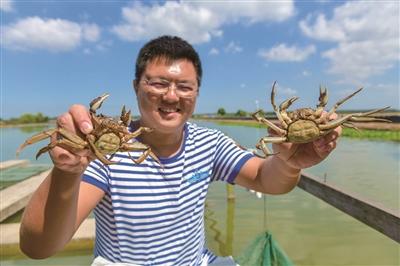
(263, 251)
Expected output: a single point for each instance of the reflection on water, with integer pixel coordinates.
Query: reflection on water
(310, 231)
(12, 138)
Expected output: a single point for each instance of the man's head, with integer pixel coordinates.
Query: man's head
(168, 48)
(168, 76)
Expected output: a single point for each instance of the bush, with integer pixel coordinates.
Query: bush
(241, 113)
(33, 118)
(221, 112)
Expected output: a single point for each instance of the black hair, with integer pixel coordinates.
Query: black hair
(169, 48)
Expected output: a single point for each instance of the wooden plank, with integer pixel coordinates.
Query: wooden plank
(377, 217)
(15, 197)
(12, 163)
(9, 238)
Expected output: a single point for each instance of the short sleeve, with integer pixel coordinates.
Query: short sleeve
(97, 174)
(228, 160)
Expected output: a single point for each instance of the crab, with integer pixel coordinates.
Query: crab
(107, 137)
(305, 125)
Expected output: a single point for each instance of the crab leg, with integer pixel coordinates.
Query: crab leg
(263, 120)
(64, 143)
(354, 117)
(262, 144)
(140, 146)
(278, 114)
(137, 133)
(284, 106)
(341, 102)
(38, 137)
(97, 153)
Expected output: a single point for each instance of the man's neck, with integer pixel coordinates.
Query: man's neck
(163, 144)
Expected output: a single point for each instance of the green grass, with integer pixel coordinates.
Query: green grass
(383, 135)
(388, 135)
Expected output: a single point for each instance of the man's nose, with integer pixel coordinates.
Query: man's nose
(171, 93)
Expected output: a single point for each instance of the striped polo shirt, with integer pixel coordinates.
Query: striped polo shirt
(153, 214)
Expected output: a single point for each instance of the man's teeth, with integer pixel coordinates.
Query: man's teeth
(169, 110)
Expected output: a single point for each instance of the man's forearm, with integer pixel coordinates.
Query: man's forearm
(277, 177)
(50, 216)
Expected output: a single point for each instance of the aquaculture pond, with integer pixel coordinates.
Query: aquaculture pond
(310, 231)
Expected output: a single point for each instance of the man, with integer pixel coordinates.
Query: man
(149, 213)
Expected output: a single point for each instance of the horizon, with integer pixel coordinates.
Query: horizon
(55, 54)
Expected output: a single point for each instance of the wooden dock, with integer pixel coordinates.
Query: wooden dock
(15, 197)
(9, 238)
(13, 163)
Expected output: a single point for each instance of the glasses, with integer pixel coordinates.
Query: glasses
(161, 87)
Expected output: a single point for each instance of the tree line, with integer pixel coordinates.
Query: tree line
(26, 119)
(240, 113)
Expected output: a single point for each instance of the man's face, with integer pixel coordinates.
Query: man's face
(159, 93)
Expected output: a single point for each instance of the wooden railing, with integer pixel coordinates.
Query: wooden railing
(377, 217)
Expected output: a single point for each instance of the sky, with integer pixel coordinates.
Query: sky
(57, 53)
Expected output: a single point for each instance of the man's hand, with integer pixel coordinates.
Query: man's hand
(76, 120)
(302, 156)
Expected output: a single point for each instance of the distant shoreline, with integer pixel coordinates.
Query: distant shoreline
(252, 123)
(28, 125)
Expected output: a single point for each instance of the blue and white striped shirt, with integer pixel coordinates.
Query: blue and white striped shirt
(152, 214)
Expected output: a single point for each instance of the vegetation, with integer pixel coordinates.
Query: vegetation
(221, 112)
(372, 134)
(241, 113)
(387, 135)
(26, 119)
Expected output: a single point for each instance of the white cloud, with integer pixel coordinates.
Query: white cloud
(56, 35)
(306, 73)
(282, 52)
(213, 51)
(197, 22)
(90, 32)
(6, 5)
(366, 37)
(233, 48)
(286, 91)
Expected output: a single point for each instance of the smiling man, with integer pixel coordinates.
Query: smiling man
(152, 213)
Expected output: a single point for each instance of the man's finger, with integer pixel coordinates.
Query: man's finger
(81, 118)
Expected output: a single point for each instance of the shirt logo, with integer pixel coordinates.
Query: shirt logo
(197, 176)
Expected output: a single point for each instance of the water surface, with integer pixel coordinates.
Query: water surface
(309, 230)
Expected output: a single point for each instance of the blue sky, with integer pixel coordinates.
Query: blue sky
(56, 53)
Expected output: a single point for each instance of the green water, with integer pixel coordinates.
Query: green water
(310, 231)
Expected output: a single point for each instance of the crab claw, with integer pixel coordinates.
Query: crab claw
(96, 103)
(125, 116)
(323, 97)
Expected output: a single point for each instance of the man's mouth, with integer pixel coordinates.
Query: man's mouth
(168, 110)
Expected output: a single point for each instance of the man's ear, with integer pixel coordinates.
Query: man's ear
(135, 85)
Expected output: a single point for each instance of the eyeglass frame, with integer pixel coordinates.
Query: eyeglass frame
(168, 86)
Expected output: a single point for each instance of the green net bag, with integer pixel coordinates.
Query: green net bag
(264, 251)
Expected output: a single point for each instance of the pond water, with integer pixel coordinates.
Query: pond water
(310, 231)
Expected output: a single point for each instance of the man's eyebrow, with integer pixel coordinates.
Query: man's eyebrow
(169, 80)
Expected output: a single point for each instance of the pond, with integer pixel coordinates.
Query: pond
(310, 231)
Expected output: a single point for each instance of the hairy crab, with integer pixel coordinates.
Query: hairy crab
(107, 137)
(305, 125)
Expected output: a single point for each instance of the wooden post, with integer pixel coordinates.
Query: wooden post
(230, 190)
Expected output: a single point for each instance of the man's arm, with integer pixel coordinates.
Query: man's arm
(270, 176)
(62, 201)
(54, 213)
(278, 174)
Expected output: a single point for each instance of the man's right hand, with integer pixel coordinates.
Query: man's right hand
(76, 120)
